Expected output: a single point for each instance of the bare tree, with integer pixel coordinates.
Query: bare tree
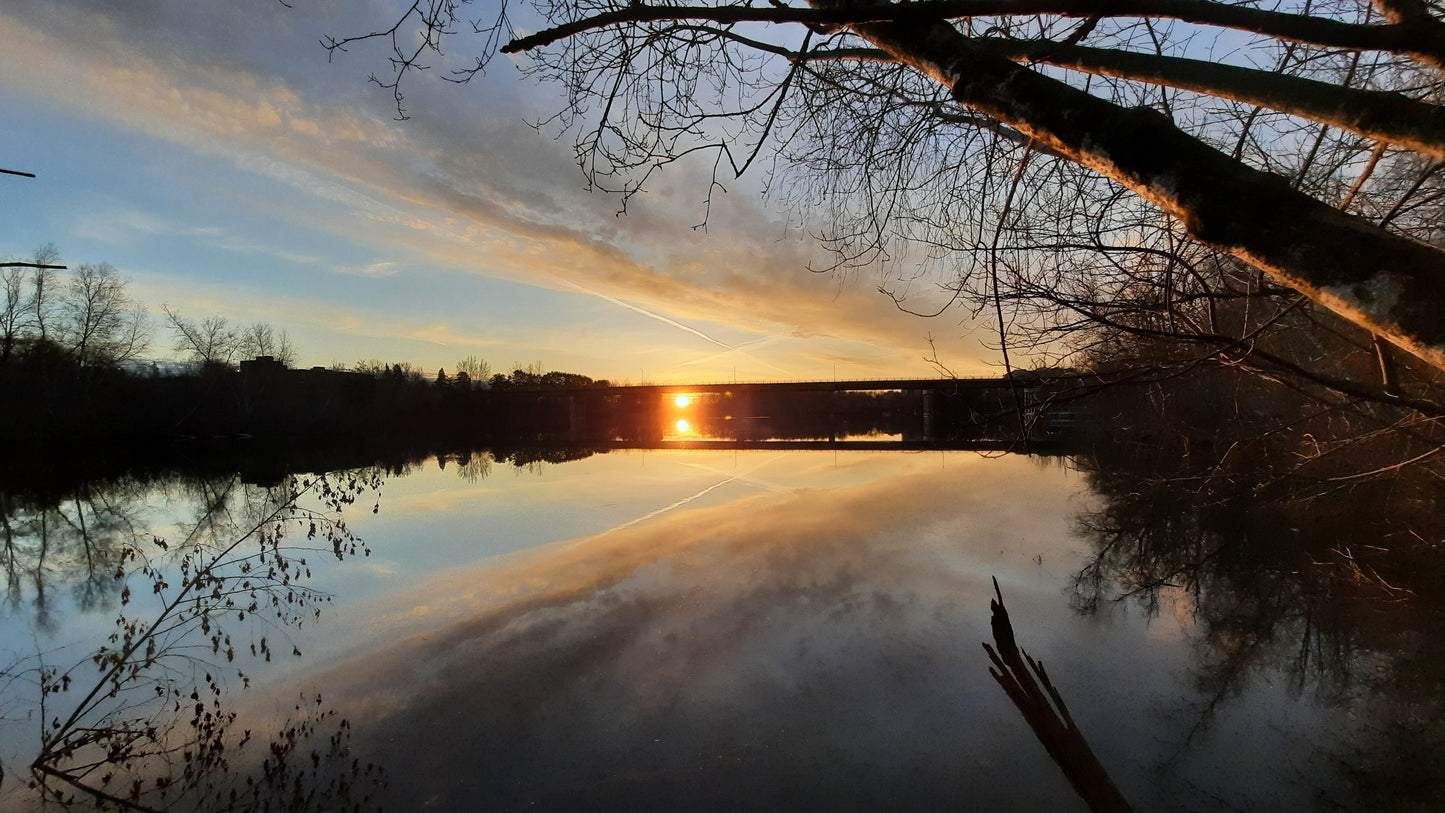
(99, 324)
(1049, 158)
(261, 339)
(12, 310)
(477, 369)
(375, 367)
(40, 305)
(209, 342)
(89, 316)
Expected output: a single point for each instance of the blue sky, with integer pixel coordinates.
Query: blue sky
(210, 152)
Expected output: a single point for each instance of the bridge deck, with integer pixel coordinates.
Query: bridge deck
(874, 384)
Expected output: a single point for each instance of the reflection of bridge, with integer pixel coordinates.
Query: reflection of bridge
(866, 445)
(927, 411)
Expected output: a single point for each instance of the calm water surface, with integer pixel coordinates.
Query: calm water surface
(754, 630)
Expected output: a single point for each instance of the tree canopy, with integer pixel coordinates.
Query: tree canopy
(87, 317)
(1216, 171)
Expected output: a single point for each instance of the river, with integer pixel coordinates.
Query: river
(707, 630)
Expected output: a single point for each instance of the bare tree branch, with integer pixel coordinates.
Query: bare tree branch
(1424, 42)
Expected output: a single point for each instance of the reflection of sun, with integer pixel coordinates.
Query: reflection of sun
(682, 400)
(683, 426)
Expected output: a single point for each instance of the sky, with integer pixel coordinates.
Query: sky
(212, 154)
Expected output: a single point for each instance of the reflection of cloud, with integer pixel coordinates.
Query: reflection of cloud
(436, 502)
(827, 636)
(682, 427)
(375, 567)
(744, 477)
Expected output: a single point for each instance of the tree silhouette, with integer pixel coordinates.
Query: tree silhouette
(476, 369)
(41, 303)
(101, 324)
(261, 339)
(209, 342)
(12, 310)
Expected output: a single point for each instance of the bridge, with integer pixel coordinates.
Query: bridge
(860, 385)
(926, 411)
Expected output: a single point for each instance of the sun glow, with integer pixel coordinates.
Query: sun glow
(682, 400)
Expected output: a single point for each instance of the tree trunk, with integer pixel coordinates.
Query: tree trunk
(1391, 285)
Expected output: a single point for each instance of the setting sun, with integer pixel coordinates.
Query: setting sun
(682, 400)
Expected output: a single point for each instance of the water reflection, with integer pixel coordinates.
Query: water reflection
(79, 542)
(762, 630)
(789, 650)
(140, 718)
(1312, 582)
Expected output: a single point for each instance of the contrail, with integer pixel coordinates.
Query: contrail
(674, 323)
(739, 351)
(659, 317)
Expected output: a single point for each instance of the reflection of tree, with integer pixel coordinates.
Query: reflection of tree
(1286, 567)
(1402, 763)
(474, 466)
(71, 535)
(533, 460)
(79, 540)
(82, 539)
(142, 722)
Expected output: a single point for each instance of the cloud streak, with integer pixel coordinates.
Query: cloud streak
(474, 191)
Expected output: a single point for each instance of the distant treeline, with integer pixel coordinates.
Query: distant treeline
(73, 372)
(49, 399)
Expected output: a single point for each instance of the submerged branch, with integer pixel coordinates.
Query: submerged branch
(1029, 687)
